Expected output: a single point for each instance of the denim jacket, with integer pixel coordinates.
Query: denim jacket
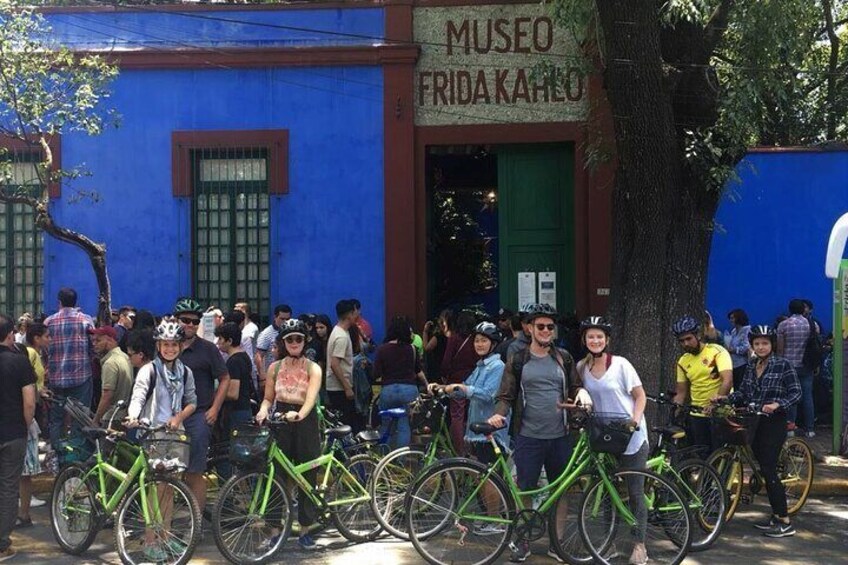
(736, 342)
(483, 384)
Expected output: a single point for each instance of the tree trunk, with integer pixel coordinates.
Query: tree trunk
(662, 217)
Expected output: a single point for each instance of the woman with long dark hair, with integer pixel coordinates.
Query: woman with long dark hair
(398, 367)
(459, 360)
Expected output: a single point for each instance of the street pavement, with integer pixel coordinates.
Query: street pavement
(822, 538)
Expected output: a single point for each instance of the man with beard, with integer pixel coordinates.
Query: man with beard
(704, 371)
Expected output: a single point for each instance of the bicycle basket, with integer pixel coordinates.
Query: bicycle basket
(734, 429)
(425, 416)
(249, 444)
(167, 450)
(609, 432)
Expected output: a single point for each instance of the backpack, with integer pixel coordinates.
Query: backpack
(361, 381)
(813, 352)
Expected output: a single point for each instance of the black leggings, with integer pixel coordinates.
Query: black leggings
(301, 442)
(768, 441)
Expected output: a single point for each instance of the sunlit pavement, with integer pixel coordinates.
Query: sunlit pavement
(822, 538)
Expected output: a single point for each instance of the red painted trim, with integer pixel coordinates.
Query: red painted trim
(55, 144)
(398, 170)
(796, 149)
(275, 141)
(302, 5)
(368, 55)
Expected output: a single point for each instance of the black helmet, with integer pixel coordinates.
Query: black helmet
(685, 325)
(762, 331)
(292, 326)
(539, 311)
(595, 322)
(489, 330)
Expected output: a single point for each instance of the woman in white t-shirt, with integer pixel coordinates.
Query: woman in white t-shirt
(615, 388)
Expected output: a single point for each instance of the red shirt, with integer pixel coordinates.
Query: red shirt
(459, 360)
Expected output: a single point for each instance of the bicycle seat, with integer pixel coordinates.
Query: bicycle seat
(368, 436)
(339, 432)
(394, 412)
(483, 428)
(672, 432)
(94, 433)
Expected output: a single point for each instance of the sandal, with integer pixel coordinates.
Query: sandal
(23, 522)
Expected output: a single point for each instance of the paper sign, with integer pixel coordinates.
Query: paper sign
(547, 288)
(526, 288)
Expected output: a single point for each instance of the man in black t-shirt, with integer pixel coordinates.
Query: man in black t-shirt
(236, 408)
(207, 366)
(17, 408)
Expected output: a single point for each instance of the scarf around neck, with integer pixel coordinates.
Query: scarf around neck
(174, 381)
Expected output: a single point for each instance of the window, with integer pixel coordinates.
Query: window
(231, 227)
(22, 255)
(230, 177)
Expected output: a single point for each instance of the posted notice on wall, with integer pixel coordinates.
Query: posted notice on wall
(526, 288)
(547, 288)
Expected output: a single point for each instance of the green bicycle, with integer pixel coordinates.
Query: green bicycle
(461, 511)
(158, 519)
(396, 472)
(254, 513)
(697, 480)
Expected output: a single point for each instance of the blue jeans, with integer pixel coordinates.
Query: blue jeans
(808, 411)
(56, 418)
(397, 396)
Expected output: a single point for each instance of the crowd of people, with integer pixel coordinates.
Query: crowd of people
(205, 371)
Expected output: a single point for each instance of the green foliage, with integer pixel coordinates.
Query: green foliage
(45, 89)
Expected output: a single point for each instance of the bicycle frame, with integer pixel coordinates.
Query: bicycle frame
(661, 465)
(581, 458)
(296, 472)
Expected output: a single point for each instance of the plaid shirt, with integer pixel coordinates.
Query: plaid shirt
(794, 330)
(778, 383)
(70, 353)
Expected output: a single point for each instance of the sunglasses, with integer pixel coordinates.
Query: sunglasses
(190, 321)
(549, 327)
(294, 339)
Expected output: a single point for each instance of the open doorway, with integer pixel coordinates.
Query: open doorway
(462, 227)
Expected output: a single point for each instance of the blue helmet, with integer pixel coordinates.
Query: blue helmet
(685, 325)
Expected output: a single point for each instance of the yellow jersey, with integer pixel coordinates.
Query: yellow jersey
(703, 372)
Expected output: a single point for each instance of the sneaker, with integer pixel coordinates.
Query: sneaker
(639, 555)
(780, 530)
(272, 542)
(554, 555)
(766, 526)
(7, 553)
(306, 542)
(23, 523)
(489, 529)
(810, 434)
(36, 502)
(519, 552)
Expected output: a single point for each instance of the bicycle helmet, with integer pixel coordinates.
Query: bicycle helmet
(540, 310)
(292, 326)
(489, 330)
(685, 325)
(168, 331)
(595, 322)
(763, 331)
(187, 305)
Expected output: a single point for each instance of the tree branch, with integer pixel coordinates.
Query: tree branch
(714, 30)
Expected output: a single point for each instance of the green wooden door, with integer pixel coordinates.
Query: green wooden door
(536, 218)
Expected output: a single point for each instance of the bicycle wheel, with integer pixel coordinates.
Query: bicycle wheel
(795, 468)
(563, 529)
(391, 481)
(172, 530)
(729, 470)
(456, 515)
(243, 533)
(74, 514)
(702, 488)
(354, 520)
(610, 536)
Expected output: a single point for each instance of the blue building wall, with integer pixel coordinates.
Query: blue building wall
(327, 232)
(772, 237)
